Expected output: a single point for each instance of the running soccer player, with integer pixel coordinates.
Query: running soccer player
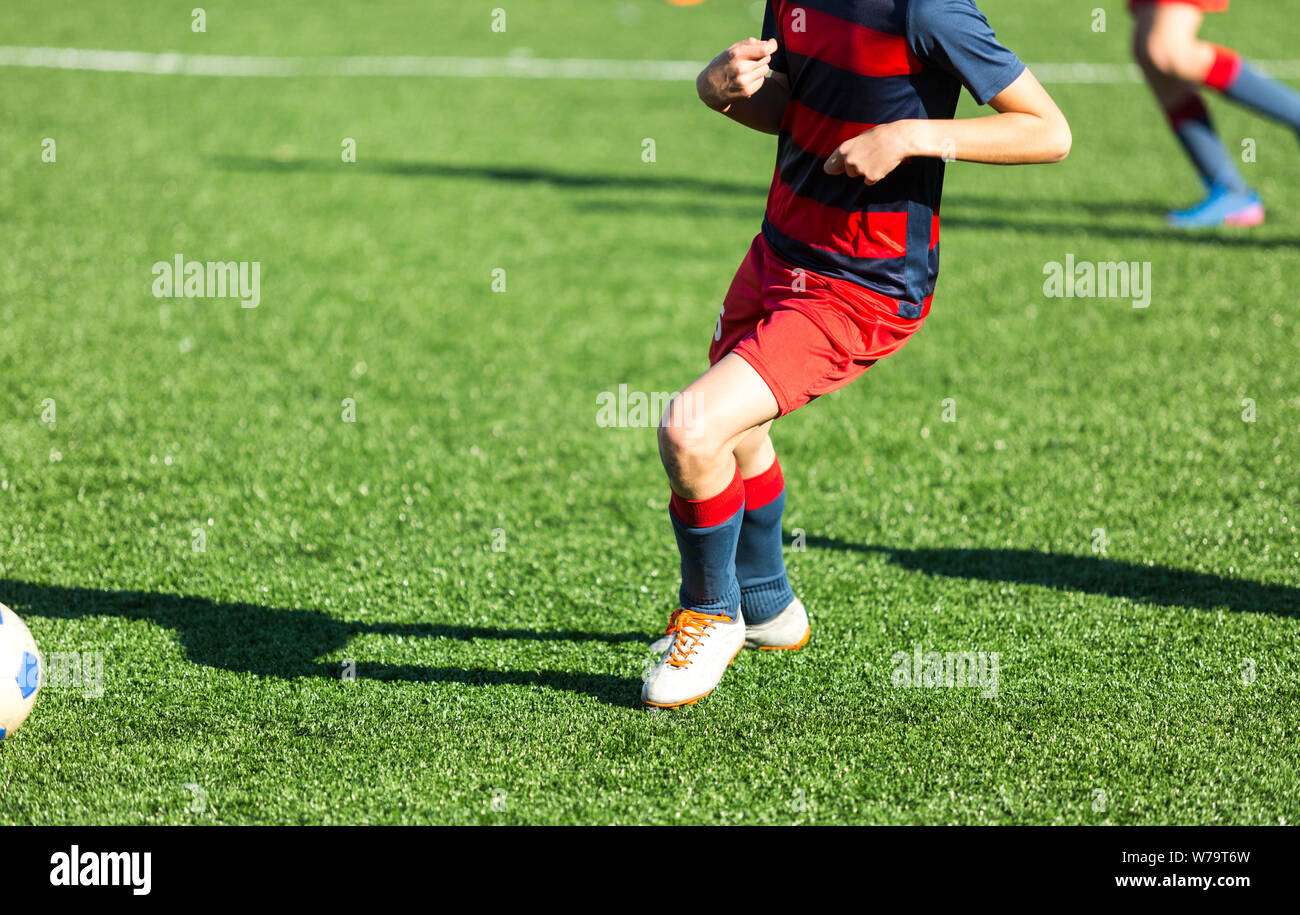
(861, 97)
(1176, 64)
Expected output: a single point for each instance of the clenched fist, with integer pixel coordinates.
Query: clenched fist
(871, 155)
(736, 73)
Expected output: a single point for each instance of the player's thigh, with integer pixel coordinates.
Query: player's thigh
(1170, 20)
(1168, 40)
(715, 411)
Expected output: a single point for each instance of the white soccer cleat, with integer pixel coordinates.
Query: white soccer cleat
(700, 647)
(788, 630)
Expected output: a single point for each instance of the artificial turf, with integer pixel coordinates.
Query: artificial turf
(440, 612)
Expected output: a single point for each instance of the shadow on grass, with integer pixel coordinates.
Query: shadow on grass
(1158, 585)
(504, 173)
(287, 643)
(974, 211)
(1072, 229)
(1019, 206)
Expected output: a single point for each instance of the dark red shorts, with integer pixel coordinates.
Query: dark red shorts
(804, 333)
(1208, 6)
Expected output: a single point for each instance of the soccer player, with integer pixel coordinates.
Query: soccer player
(861, 96)
(1176, 64)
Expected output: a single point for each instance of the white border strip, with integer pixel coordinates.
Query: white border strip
(521, 67)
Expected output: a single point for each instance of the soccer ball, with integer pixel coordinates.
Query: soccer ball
(20, 671)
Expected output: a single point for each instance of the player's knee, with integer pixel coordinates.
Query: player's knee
(684, 443)
(680, 442)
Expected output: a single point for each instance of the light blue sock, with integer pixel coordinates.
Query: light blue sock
(1268, 96)
(1192, 125)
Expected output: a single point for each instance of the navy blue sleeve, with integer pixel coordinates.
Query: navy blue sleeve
(954, 35)
(772, 30)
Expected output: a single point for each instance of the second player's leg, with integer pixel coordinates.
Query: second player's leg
(774, 617)
(755, 451)
(1169, 43)
(1174, 61)
(1168, 49)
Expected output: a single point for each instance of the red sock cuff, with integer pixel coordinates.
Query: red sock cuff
(1190, 109)
(763, 488)
(713, 511)
(1225, 69)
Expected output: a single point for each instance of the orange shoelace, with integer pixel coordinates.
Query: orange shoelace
(690, 627)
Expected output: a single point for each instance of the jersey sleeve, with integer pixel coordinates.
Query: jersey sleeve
(955, 36)
(772, 30)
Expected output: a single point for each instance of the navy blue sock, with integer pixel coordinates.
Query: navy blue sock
(1248, 86)
(707, 531)
(1191, 123)
(760, 560)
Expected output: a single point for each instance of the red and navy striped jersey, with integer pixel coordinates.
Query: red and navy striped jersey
(853, 64)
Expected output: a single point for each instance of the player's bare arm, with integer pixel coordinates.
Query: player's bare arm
(736, 83)
(1027, 128)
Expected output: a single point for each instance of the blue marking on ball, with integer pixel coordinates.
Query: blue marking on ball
(29, 675)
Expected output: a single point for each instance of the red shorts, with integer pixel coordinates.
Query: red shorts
(1206, 6)
(804, 333)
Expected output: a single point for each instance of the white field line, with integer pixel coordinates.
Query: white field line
(517, 67)
(228, 65)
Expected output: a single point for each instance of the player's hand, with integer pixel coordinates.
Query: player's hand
(736, 73)
(871, 155)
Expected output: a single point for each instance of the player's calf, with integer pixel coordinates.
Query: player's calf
(760, 551)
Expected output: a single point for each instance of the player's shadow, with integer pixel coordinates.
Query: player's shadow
(969, 211)
(1149, 584)
(511, 174)
(973, 211)
(1019, 206)
(288, 643)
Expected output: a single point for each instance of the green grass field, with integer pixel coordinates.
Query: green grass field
(492, 563)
